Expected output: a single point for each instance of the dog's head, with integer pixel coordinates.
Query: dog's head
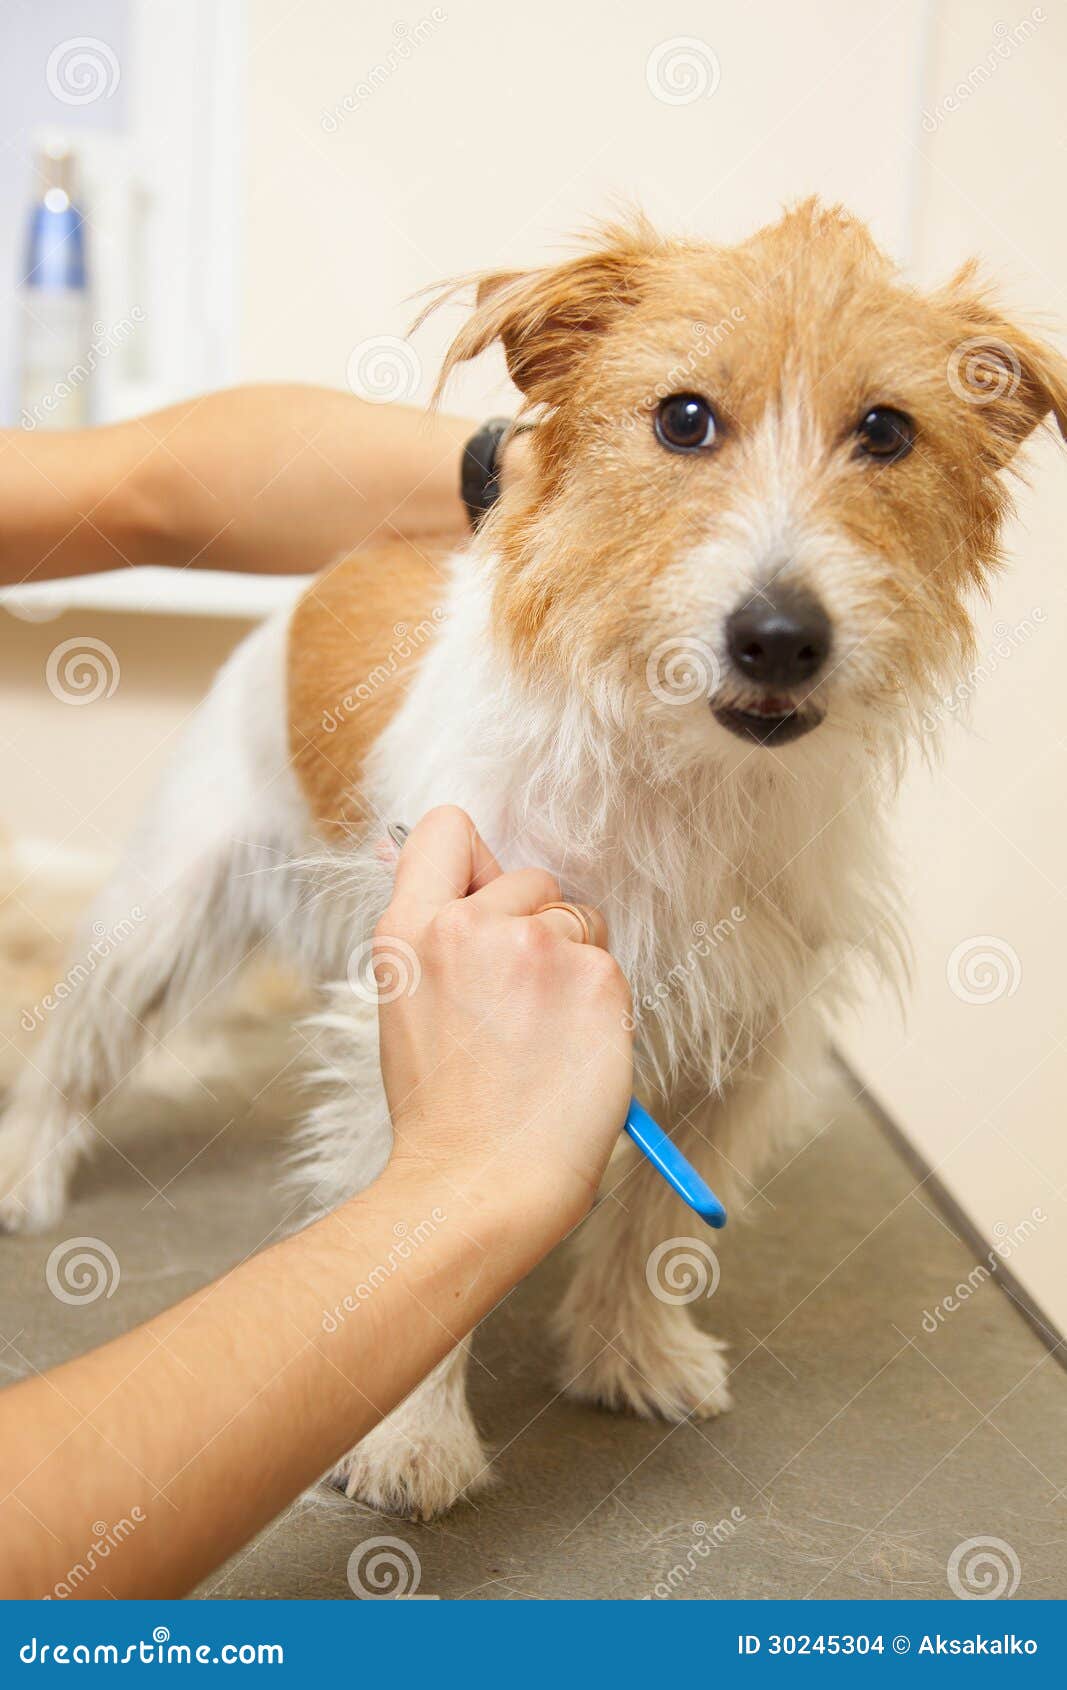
(765, 479)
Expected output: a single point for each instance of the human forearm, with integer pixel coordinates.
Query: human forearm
(506, 1071)
(277, 479)
(295, 1355)
(285, 479)
(72, 503)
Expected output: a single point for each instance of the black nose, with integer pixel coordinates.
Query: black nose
(779, 638)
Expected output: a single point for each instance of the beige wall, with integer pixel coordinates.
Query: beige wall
(508, 129)
(977, 1077)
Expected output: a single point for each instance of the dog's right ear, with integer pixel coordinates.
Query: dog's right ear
(546, 319)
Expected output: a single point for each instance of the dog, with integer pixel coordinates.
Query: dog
(679, 665)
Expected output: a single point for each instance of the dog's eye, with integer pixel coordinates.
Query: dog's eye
(685, 423)
(885, 433)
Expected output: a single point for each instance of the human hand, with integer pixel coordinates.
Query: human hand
(508, 1068)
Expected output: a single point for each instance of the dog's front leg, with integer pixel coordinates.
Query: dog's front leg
(644, 1264)
(647, 1265)
(426, 1454)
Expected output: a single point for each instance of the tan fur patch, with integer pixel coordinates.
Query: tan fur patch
(355, 640)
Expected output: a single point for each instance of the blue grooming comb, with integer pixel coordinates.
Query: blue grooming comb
(646, 1133)
(669, 1162)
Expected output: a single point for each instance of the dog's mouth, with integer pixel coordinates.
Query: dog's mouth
(770, 721)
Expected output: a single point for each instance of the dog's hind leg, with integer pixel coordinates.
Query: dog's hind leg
(136, 966)
(207, 875)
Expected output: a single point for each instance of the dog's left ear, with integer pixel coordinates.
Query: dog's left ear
(546, 319)
(1013, 380)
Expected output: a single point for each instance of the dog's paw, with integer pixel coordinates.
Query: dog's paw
(416, 1475)
(33, 1181)
(674, 1372)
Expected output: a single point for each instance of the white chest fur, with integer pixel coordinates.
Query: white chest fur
(729, 888)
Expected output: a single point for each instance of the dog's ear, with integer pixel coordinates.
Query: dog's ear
(1013, 379)
(545, 319)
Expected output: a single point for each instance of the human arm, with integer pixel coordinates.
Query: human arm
(276, 479)
(507, 1074)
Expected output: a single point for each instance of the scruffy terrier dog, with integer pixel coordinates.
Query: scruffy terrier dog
(677, 666)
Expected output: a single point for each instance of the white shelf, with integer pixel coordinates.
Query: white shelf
(157, 592)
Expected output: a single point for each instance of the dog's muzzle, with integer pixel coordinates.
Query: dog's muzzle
(778, 643)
